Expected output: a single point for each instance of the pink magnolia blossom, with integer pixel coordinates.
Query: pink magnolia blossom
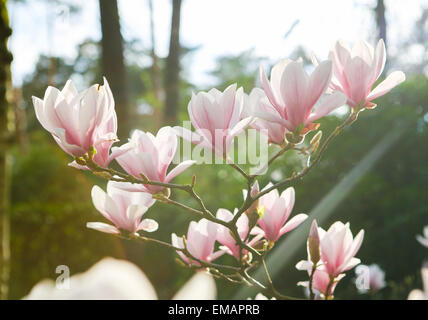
(225, 238)
(223, 233)
(256, 103)
(277, 210)
(333, 253)
(356, 70)
(151, 156)
(215, 115)
(338, 248)
(423, 240)
(124, 209)
(320, 279)
(200, 242)
(103, 156)
(294, 95)
(79, 121)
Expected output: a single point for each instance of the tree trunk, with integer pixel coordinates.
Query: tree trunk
(5, 137)
(155, 66)
(155, 71)
(113, 64)
(380, 20)
(172, 71)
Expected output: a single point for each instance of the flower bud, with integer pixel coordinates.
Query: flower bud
(253, 211)
(315, 147)
(255, 189)
(316, 139)
(314, 243)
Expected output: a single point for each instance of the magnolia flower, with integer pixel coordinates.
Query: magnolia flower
(257, 102)
(423, 239)
(112, 279)
(80, 121)
(223, 234)
(215, 115)
(199, 242)
(225, 237)
(102, 156)
(151, 156)
(417, 294)
(332, 252)
(376, 277)
(294, 94)
(124, 209)
(320, 280)
(356, 70)
(338, 248)
(277, 209)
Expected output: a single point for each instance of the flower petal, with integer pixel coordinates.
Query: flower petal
(293, 223)
(148, 225)
(386, 85)
(179, 169)
(103, 227)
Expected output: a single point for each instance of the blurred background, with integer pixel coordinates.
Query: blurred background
(154, 54)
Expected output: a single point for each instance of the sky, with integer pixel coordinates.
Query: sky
(217, 27)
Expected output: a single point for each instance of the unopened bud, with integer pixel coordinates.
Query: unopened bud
(314, 243)
(255, 189)
(315, 147)
(316, 138)
(253, 211)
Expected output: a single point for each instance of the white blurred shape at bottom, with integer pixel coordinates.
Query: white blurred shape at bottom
(113, 279)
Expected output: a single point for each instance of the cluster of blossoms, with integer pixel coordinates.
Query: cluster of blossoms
(274, 223)
(85, 124)
(330, 254)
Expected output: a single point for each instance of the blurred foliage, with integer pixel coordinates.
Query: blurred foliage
(50, 207)
(241, 69)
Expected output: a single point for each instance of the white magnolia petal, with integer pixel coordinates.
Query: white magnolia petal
(200, 287)
(103, 227)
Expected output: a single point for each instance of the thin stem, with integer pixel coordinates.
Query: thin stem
(239, 169)
(311, 279)
(327, 291)
(138, 237)
(352, 117)
(181, 205)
